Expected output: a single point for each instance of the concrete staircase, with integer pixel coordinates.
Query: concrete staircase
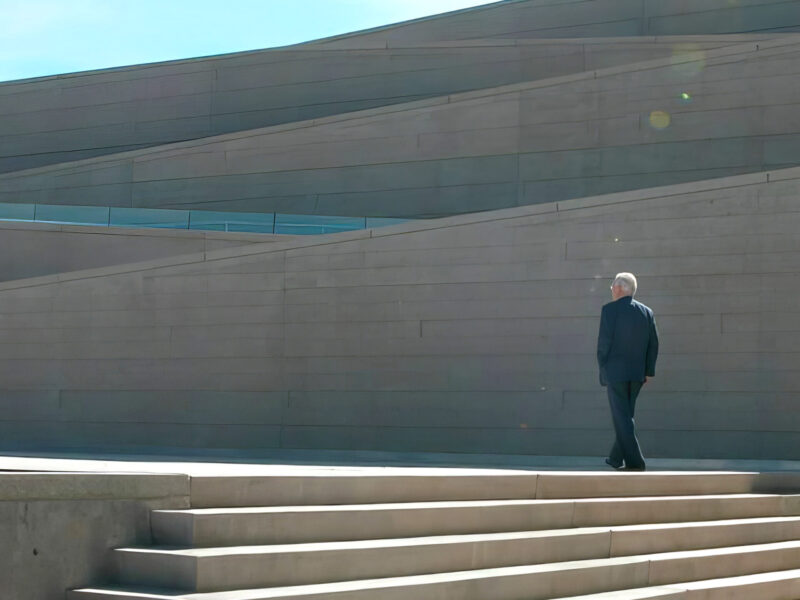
(475, 535)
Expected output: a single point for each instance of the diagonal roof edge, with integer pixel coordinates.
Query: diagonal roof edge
(496, 5)
(310, 45)
(723, 39)
(437, 17)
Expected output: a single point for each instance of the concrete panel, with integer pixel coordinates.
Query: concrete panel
(447, 409)
(207, 407)
(33, 250)
(81, 436)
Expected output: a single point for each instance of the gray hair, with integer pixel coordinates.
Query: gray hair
(627, 281)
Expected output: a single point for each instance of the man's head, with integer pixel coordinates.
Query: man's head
(624, 284)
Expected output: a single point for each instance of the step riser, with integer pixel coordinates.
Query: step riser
(779, 588)
(299, 568)
(187, 529)
(676, 570)
(598, 513)
(574, 580)
(637, 542)
(218, 492)
(159, 571)
(650, 593)
(530, 587)
(538, 586)
(619, 485)
(776, 590)
(332, 526)
(772, 590)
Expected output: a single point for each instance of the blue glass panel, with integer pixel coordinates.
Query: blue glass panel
(373, 222)
(232, 221)
(73, 215)
(315, 224)
(196, 219)
(150, 217)
(16, 212)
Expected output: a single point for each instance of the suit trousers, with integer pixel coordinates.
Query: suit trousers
(622, 400)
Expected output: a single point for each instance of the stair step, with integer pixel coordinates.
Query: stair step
(299, 524)
(210, 569)
(659, 593)
(533, 582)
(776, 585)
(336, 487)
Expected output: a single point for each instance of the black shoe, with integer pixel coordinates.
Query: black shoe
(642, 468)
(612, 465)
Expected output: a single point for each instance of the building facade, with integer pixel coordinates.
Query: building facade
(538, 149)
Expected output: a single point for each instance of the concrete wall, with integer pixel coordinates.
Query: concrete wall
(56, 530)
(590, 18)
(72, 117)
(469, 334)
(34, 249)
(545, 141)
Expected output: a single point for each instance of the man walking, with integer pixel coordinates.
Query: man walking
(627, 348)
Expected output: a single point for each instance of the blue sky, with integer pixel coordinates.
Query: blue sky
(46, 37)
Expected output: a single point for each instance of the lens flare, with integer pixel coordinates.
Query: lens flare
(660, 119)
(688, 60)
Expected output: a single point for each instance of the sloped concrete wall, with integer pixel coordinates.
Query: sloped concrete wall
(611, 130)
(35, 249)
(590, 18)
(469, 334)
(77, 116)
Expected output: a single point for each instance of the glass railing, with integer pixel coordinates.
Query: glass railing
(104, 216)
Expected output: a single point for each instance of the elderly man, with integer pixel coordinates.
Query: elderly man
(627, 348)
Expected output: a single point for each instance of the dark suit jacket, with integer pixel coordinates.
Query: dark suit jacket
(627, 346)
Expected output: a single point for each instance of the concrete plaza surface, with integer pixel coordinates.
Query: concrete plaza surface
(298, 462)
